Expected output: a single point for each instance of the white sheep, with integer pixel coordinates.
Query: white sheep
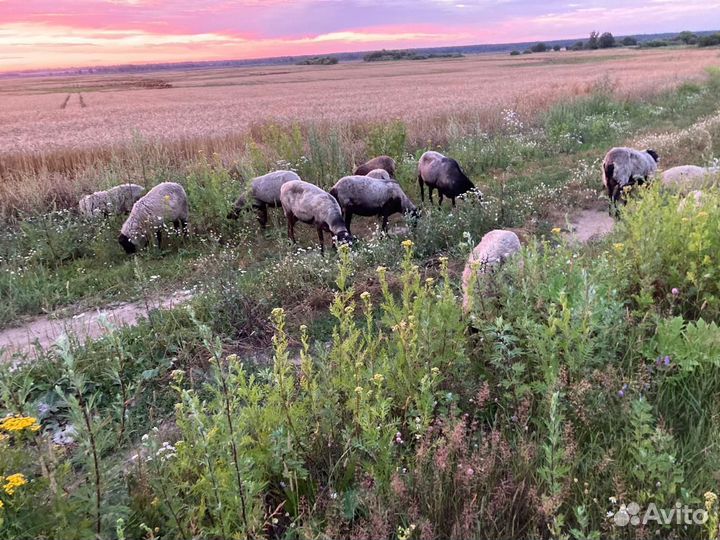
(302, 201)
(688, 177)
(444, 174)
(265, 192)
(368, 196)
(624, 167)
(381, 162)
(116, 200)
(492, 251)
(165, 203)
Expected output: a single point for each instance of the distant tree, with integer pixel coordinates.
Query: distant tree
(514, 53)
(687, 37)
(539, 47)
(709, 41)
(593, 41)
(656, 43)
(578, 46)
(606, 40)
(556, 48)
(629, 41)
(527, 51)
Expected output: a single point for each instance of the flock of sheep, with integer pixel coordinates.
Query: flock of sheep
(371, 191)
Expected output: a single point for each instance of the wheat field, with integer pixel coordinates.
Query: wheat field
(64, 115)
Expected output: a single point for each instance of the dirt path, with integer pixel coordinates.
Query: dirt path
(591, 224)
(44, 331)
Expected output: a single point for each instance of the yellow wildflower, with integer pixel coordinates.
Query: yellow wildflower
(435, 371)
(710, 500)
(556, 230)
(407, 244)
(378, 378)
(358, 389)
(702, 214)
(2, 504)
(619, 246)
(13, 482)
(19, 423)
(365, 295)
(443, 260)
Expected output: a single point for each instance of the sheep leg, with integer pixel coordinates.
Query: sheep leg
(453, 201)
(321, 238)
(180, 227)
(422, 188)
(430, 190)
(262, 215)
(291, 219)
(158, 234)
(441, 198)
(348, 219)
(384, 223)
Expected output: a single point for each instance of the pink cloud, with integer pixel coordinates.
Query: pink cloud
(54, 33)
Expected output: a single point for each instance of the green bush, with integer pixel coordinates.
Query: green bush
(666, 248)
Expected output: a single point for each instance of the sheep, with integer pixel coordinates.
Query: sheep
(367, 196)
(265, 192)
(166, 202)
(116, 200)
(622, 166)
(492, 251)
(444, 174)
(379, 174)
(381, 162)
(302, 201)
(687, 177)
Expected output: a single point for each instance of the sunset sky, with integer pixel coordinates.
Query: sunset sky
(64, 33)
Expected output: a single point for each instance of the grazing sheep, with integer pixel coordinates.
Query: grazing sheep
(166, 202)
(265, 192)
(492, 251)
(366, 196)
(379, 174)
(444, 174)
(624, 167)
(381, 162)
(688, 177)
(308, 203)
(117, 200)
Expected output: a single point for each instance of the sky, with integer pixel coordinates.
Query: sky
(66, 33)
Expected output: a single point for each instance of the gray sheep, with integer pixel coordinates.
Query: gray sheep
(381, 162)
(367, 196)
(444, 174)
(492, 251)
(265, 192)
(114, 201)
(308, 203)
(624, 167)
(165, 203)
